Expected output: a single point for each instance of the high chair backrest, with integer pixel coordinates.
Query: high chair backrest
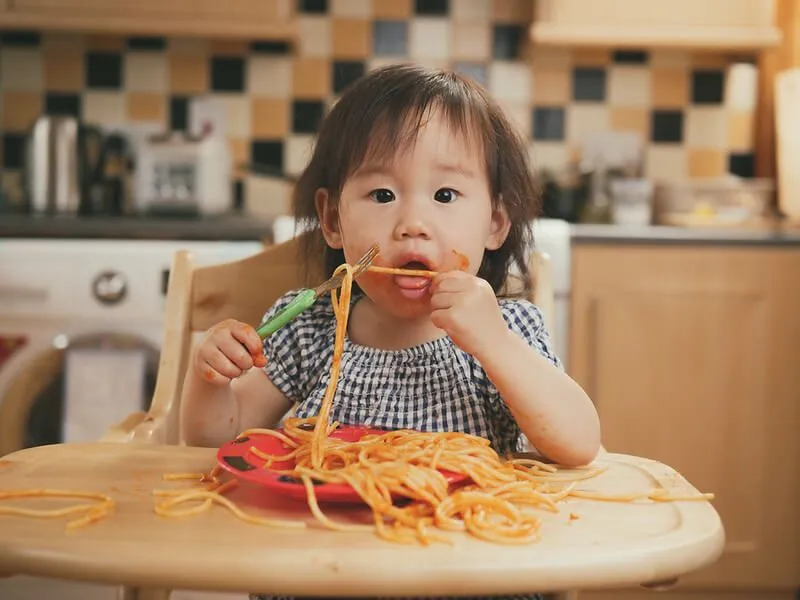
(200, 297)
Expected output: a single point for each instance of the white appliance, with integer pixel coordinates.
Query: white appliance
(80, 332)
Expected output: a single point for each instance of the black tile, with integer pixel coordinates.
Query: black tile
(20, 38)
(312, 6)
(104, 70)
(267, 152)
(238, 194)
(345, 73)
(666, 126)
(632, 57)
(506, 40)
(147, 43)
(270, 47)
(476, 71)
(62, 104)
(707, 86)
(743, 165)
(227, 74)
(589, 83)
(178, 113)
(390, 38)
(432, 7)
(548, 123)
(13, 150)
(306, 115)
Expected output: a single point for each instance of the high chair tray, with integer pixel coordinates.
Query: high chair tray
(588, 544)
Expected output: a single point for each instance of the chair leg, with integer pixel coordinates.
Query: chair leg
(134, 593)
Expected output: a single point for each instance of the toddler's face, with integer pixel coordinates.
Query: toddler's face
(431, 200)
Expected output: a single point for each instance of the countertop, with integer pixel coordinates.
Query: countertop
(242, 227)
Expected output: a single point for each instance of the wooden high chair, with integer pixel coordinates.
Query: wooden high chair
(199, 297)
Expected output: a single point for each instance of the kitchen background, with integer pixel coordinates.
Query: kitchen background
(694, 111)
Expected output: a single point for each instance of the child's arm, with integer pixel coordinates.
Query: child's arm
(552, 410)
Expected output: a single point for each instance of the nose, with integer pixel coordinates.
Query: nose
(412, 222)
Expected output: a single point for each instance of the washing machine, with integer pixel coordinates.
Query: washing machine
(80, 333)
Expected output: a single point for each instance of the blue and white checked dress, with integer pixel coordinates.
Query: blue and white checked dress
(435, 386)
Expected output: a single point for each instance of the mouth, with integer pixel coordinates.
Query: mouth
(413, 285)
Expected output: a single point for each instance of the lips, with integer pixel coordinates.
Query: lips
(410, 286)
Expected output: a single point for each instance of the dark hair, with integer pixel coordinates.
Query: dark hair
(379, 115)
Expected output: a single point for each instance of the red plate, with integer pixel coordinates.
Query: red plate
(236, 458)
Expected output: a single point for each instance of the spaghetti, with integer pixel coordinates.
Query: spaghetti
(92, 512)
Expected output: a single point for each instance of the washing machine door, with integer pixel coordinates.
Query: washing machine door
(71, 387)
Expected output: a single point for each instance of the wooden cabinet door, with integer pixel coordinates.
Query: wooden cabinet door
(690, 354)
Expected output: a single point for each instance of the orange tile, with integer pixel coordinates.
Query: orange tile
(708, 60)
(706, 163)
(188, 73)
(741, 131)
(311, 78)
(591, 57)
(512, 11)
(351, 38)
(240, 155)
(391, 9)
(670, 88)
(63, 70)
(550, 85)
(20, 110)
(146, 106)
(631, 119)
(270, 117)
(229, 47)
(105, 42)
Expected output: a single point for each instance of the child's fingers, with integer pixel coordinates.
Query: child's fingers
(247, 336)
(223, 365)
(236, 352)
(211, 375)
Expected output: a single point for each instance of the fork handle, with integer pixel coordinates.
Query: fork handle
(301, 302)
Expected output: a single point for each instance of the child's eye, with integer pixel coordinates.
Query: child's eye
(382, 196)
(445, 195)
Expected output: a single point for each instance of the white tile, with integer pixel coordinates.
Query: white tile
(145, 72)
(351, 8)
(472, 41)
(706, 127)
(551, 156)
(510, 81)
(237, 114)
(629, 86)
(429, 38)
(21, 69)
(584, 119)
(266, 197)
(104, 108)
(314, 36)
(670, 58)
(520, 116)
(269, 76)
(471, 10)
(664, 162)
(741, 87)
(297, 153)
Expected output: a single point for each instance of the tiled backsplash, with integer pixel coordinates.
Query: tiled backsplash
(694, 117)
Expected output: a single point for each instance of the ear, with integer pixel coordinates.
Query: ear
(328, 214)
(499, 227)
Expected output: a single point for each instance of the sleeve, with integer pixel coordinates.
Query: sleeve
(284, 352)
(525, 319)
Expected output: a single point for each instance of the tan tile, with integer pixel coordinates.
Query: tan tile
(351, 38)
(670, 88)
(361, 9)
(187, 46)
(63, 41)
(105, 42)
(63, 69)
(237, 114)
(624, 118)
(591, 57)
(146, 106)
(553, 156)
(145, 72)
(188, 73)
(240, 155)
(228, 47)
(706, 163)
(270, 117)
(629, 86)
(550, 85)
(708, 60)
(21, 69)
(20, 110)
(391, 9)
(741, 131)
(706, 127)
(584, 120)
(668, 58)
(519, 114)
(665, 162)
(512, 11)
(311, 78)
(266, 197)
(471, 41)
(471, 10)
(551, 57)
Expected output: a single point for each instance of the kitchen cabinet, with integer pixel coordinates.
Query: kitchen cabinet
(711, 24)
(690, 354)
(253, 19)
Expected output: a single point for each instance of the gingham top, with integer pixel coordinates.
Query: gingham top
(435, 386)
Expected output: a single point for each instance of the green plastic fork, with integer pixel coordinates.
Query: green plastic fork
(306, 298)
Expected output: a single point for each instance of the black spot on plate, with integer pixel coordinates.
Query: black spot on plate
(238, 463)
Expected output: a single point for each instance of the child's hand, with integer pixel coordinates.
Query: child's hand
(465, 307)
(228, 349)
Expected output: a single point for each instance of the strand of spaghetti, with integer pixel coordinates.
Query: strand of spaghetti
(406, 272)
(94, 512)
(320, 516)
(271, 432)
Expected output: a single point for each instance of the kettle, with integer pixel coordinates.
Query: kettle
(62, 163)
